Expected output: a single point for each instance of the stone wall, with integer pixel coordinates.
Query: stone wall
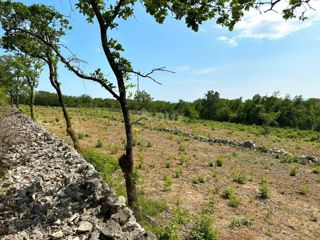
(51, 192)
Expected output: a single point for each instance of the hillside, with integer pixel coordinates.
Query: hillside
(251, 193)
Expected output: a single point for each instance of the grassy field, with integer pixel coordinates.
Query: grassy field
(186, 183)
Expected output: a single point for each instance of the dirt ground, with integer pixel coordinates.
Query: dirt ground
(169, 166)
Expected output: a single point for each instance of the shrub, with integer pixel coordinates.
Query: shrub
(168, 232)
(167, 183)
(203, 229)
(316, 170)
(198, 180)
(3, 97)
(294, 170)
(240, 178)
(227, 193)
(304, 190)
(234, 201)
(99, 144)
(264, 191)
(219, 162)
(178, 173)
(241, 222)
(314, 218)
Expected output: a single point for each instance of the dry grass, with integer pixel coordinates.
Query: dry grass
(285, 215)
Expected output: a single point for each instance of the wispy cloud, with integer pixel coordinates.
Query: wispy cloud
(203, 71)
(194, 71)
(230, 41)
(183, 68)
(271, 25)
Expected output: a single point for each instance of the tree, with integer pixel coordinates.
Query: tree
(143, 99)
(108, 16)
(21, 25)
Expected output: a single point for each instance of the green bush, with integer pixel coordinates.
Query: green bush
(203, 229)
(234, 201)
(240, 178)
(168, 232)
(240, 222)
(294, 170)
(264, 191)
(227, 193)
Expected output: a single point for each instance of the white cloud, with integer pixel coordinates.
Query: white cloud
(230, 41)
(271, 25)
(203, 71)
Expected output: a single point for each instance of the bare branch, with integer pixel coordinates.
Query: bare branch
(149, 74)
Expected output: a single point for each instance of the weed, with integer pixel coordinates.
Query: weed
(316, 170)
(219, 162)
(99, 144)
(168, 232)
(178, 173)
(167, 183)
(314, 218)
(57, 119)
(181, 216)
(303, 190)
(167, 164)
(241, 222)
(227, 193)
(182, 149)
(264, 191)
(294, 170)
(240, 178)
(203, 229)
(234, 201)
(198, 180)
(81, 135)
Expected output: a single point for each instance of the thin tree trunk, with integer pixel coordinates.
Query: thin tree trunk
(55, 83)
(126, 161)
(31, 103)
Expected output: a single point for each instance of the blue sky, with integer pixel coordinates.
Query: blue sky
(262, 55)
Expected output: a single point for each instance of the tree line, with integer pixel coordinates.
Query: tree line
(271, 110)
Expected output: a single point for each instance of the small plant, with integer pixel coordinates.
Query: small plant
(240, 178)
(149, 145)
(264, 191)
(167, 183)
(294, 170)
(99, 144)
(182, 149)
(168, 232)
(227, 193)
(115, 149)
(81, 135)
(241, 222)
(234, 201)
(210, 164)
(219, 162)
(57, 119)
(198, 180)
(203, 229)
(314, 218)
(316, 170)
(178, 173)
(181, 216)
(304, 190)
(167, 164)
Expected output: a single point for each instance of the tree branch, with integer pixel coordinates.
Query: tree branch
(149, 74)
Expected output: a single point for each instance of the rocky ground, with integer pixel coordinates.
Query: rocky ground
(48, 191)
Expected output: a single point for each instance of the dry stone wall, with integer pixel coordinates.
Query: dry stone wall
(51, 192)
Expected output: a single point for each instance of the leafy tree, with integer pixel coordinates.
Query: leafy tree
(143, 99)
(23, 25)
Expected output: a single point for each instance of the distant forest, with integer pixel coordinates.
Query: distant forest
(260, 110)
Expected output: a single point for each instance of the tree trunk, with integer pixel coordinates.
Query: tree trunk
(31, 103)
(55, 83)
(126, 161)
